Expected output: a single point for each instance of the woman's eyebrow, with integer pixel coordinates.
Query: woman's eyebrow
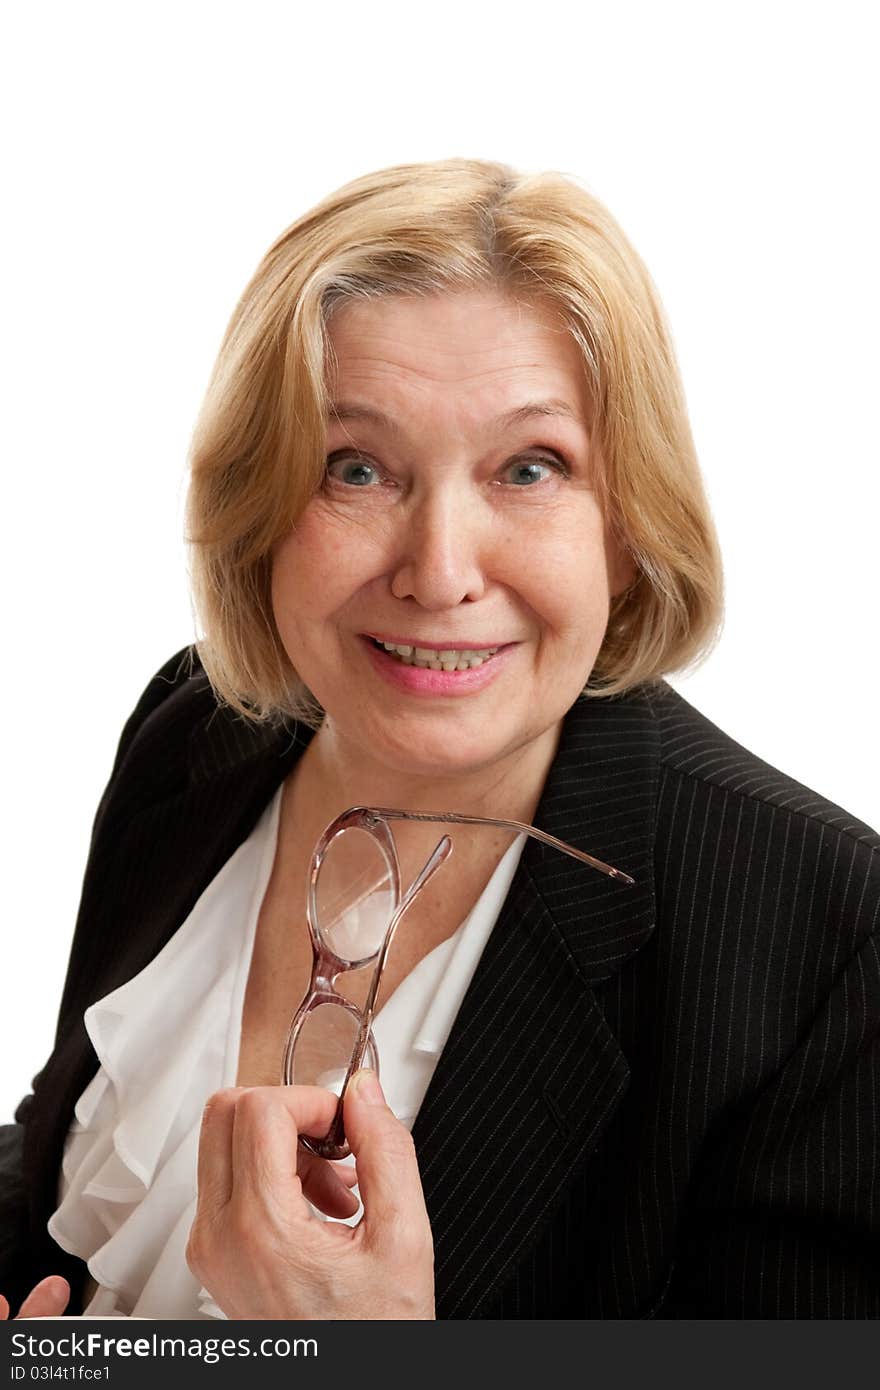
(351, 410)
(554, 406)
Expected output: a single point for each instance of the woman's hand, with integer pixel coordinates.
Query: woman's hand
(258, 1249)
(48, 1299)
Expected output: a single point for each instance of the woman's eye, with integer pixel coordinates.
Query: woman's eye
(526, 472)
(351, 469)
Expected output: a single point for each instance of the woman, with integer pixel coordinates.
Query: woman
(446, 417)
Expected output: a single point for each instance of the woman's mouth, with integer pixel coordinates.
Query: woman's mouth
(440, 671)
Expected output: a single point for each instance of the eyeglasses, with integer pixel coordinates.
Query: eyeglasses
(354, 906)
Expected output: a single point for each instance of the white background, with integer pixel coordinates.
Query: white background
(154, 153)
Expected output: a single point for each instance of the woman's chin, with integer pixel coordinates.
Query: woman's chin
(439, 767)
(413, 751)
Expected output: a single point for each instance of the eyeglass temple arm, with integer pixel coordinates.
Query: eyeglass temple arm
(441, 853)
(452, 817)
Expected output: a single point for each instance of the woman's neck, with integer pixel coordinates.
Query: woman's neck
(329, 778)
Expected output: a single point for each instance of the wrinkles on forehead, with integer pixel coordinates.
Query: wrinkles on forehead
(474, 361)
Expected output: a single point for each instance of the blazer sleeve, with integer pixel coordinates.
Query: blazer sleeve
(14, 1225)
(784, 1219)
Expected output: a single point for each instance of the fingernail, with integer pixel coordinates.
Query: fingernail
(365, 1085)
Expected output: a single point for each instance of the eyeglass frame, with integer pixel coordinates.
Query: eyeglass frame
(327, 965)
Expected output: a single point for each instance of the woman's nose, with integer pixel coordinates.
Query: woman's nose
(440, 552)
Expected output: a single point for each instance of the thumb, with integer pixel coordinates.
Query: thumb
(387, 1171)
(48, 1300)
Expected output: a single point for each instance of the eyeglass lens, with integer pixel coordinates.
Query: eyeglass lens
(354, 896)
(352, 908)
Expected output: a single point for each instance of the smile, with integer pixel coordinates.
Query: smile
(437, 672)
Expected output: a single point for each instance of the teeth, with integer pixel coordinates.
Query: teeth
(431, 654)
(449, 659)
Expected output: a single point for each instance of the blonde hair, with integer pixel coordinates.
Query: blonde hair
(257, 450)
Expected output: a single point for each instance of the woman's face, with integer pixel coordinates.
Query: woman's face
(458, 515)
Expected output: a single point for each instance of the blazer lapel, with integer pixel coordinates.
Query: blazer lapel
(531, 1074)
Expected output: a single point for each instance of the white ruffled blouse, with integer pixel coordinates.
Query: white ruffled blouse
(169, 1037)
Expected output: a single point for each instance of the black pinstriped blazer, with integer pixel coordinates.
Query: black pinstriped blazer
(656, 1101)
